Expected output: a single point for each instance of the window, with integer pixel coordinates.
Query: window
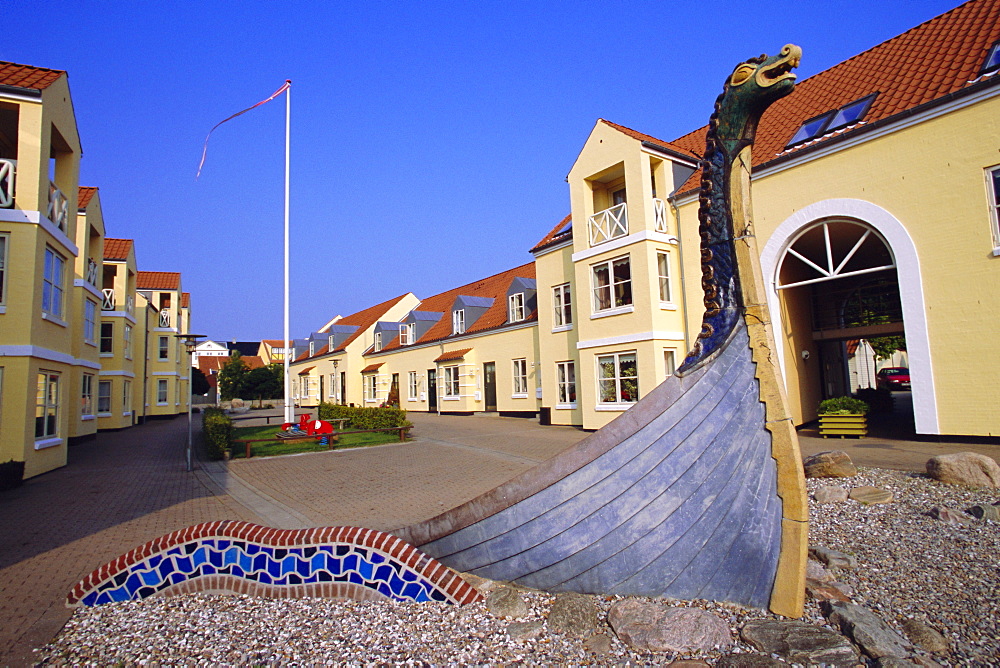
(612, 284)
(104, 396)
(561, 302)
(566, 382)
(521, 377)
(329, 343)
(992, 61)
(378, 341)
(107, 337)
(89, 320)
(47, 406)
(127, 397)
(617, 378)
(669, 362)
(161, 392)
(128, 342)
(3, 268)
(663, 264)
(87, 395)
(406, 334)
(164, 349)
(993, 178)
(312, 348)
(451, 381)
(52, 281)
(515, 307)
(414, 386)
(458, 321)
(371, 387)
(832, 120)
(306, 384)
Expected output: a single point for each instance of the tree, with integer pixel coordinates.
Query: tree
(232, 377)
(264, 383)
(199, 384)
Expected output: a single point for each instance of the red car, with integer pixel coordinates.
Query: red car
(893, 378)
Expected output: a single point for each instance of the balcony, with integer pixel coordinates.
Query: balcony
(609, 224)
(8, 169)
(58, 211)
(660, 216)
(165, 318)
(109, 299)
(92, 272)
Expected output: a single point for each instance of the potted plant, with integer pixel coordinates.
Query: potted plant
(843, 416)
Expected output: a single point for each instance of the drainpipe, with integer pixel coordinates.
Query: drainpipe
(145, 364)
(680, 245)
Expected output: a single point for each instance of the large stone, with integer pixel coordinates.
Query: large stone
(895, 662)
(525, 630)
(827, 591)
(985, 512)
(949, 515)
(748, 661)
(925, 636)
(815, 571)
(870, 495)
(655, 627)
(799, 642)
(504, 602)
(833, 559)
(867, 629)
(830, 464)
(965, 468)
(598, 644)
(574, 614)
(688, 663)
(830, 494)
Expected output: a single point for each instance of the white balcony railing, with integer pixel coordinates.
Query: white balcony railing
(660, 214)
(109, 299)
(92, 272)
(58, 211)
(165, 318)
(609, 224)
(8, 169)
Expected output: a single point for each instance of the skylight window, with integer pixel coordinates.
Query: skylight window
(992, 59)
(832, 120)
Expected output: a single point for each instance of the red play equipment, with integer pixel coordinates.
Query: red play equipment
(309, 426)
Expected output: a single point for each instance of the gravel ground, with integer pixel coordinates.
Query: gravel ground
(909, 565)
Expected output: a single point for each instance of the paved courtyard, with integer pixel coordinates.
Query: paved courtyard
(128, 487)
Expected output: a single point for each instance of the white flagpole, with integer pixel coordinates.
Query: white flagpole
(289, 409)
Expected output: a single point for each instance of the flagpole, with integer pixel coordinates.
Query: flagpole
(289, 409)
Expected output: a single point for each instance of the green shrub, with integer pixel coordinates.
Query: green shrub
(217, 429)
(842, 406)
(11, 474)
(364, 418)
(879, 401)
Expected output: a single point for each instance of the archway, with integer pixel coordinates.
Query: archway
(832, 252)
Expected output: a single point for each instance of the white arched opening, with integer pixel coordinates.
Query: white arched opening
(910, 289)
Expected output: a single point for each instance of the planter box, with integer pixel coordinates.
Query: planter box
(843, 425)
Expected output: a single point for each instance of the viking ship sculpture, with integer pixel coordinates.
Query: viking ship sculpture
(696, 491)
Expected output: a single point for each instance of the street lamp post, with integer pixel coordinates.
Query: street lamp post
(335, 385)
(190, 343)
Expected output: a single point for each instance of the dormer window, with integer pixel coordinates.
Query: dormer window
(378, 341)
(818, 126)
(329, 343)
(312, 348)
(992, 63)
(406, 334)
(515, 307)
(458, 321)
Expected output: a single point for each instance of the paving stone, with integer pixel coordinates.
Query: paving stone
(830, 494)
(870, 495)
(873, 636)
(833, 558)
(799, 642)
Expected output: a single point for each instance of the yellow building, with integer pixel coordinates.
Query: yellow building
(40, 259)
(168, 364)
(120, 341)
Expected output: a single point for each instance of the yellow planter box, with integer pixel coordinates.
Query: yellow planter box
(843, 425)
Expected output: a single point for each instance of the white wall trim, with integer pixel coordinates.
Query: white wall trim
(164, 373)
(45, 354)
(622, 242)
(47, 443)
(82, 283)
(911, 293)
(117, 372)
(118, 314)
(630, 338)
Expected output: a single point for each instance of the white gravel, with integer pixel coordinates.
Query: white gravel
(908, 565)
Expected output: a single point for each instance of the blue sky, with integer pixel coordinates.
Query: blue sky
(430, 141)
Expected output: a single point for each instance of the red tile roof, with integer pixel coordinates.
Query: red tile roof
(363, 320)
(158, 280)
(26, 76)
(117, 249)
(936, 59)
(453, 355)
(372, 367)
(635, 134)
(274, 343)
(84, 195)
(306, 370)
(185, 300)
(554, 236)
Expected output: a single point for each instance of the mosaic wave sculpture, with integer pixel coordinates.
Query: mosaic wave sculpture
(244, 558)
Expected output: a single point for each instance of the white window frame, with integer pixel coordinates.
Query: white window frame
(312, 348)
(161, 392)
(993, 191)
(89, 321)
(612, 307)
(669, 362)
(515, 307)
(109, 339)
(305, 383)
(128, 342)
(451, 388)
(4, 244)
(562, 304)
(406, 334)
(377, 345)
(87, 396)
(52, 284)
(126, 398)
(458, 321)
(104, 388)
(329, 342)
(566, 384)
(164, 349)
(519, 378)
(414, 386)
(371, 387)
(618, 379)
(665, 285)
(47, 402)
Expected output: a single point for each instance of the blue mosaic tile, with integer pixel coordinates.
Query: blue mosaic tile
(384, 590)
(183, 564)
(350, 562)
(154, 561)
(355, 578)
(151, 578)
(365, 569)
(215, 558)
(342, 550)
(376, 558)
(384, 573)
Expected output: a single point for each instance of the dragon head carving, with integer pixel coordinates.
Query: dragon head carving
(752, 87)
